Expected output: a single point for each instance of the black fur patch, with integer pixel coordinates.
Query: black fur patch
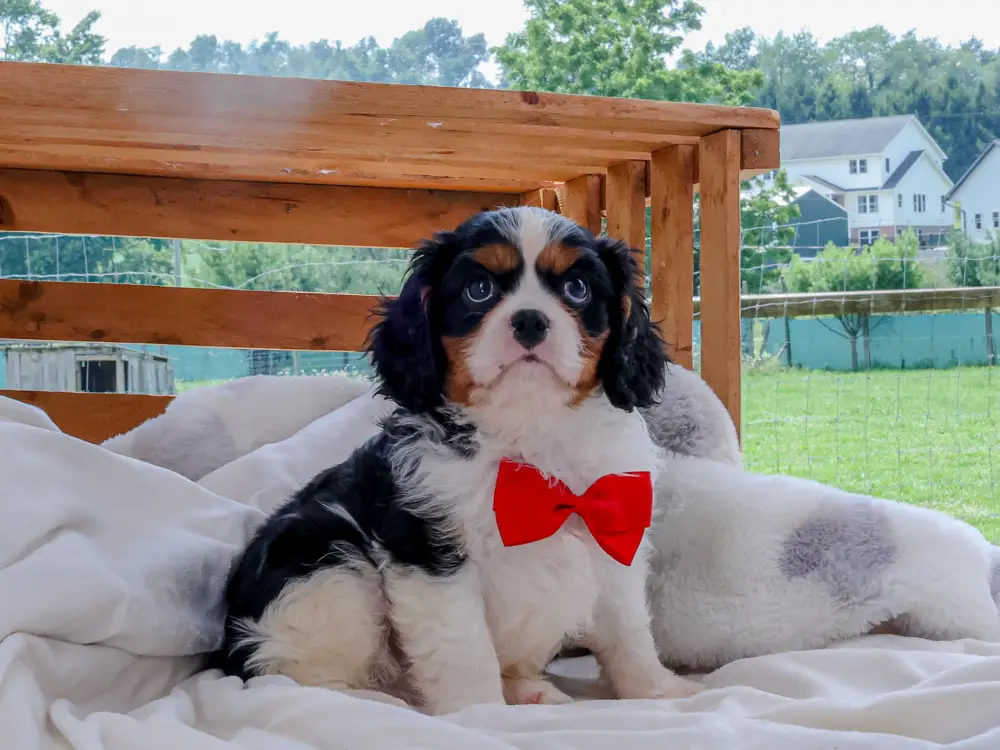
(304, 536)
(633, 363)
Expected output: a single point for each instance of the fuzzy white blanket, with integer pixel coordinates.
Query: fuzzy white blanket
(111, 570)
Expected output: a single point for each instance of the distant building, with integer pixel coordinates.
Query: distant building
(93, 368)
(976, 195)
(886, 172)
(820, 222)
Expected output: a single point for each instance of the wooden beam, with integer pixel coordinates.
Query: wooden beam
(94, 417)
(875, 302)
(130, 313)
(543, 198)
(760, 151)
(580, 200)
(672, 248)
(136, 206)
(719, 159)
(625, 190)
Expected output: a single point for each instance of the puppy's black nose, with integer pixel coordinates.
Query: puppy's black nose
(530, 327)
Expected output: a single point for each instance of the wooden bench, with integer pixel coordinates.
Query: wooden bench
(87, 150)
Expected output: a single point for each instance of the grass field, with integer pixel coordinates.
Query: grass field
(930, 437)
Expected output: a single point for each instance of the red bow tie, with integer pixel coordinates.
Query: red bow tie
(617, 508)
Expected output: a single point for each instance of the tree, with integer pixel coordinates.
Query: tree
(31, 33)
(975, 264)
(437, 54)
(80, 258)
(305, 268)
(882, 265)
(766, 213)
(617, 48)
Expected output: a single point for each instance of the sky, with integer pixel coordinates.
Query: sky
(175, 23)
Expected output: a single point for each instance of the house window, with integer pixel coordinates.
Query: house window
(996, 219)
(919, 203)
(943, 203)
(868, 236)
(854, 166)
(862, 166)
(887, 166)
(979, 221)
(899, 200)
(867, 204)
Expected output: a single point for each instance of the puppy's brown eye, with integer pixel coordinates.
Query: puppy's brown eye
(576, 291)
(480, 290)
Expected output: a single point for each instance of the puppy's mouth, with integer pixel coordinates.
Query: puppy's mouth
(527, 359)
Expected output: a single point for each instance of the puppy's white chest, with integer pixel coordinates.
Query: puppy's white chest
(538, 593)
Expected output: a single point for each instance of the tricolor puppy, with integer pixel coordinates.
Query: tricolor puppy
(503, 507)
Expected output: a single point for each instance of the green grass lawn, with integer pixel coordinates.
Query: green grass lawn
(928, 437)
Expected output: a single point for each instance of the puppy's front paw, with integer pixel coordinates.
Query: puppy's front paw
(519, 691)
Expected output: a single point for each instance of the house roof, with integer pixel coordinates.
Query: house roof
(837, 138)
(802, 195)
(902, 169)
(971, 169)
(822, 182)
(893, 180)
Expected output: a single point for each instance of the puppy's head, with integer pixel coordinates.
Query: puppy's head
(518, 301)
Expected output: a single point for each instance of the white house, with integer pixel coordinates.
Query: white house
(886, 171)
(977, 195)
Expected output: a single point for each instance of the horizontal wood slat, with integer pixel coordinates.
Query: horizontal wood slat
(94, 417)
(227, 210)
(131, 313)
(201, 125)
(877, 302)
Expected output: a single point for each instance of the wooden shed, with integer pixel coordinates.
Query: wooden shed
(86, 368)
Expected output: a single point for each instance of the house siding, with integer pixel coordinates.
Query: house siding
(819, 223)
(980, 193)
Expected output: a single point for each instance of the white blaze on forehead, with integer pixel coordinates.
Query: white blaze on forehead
(531, 230)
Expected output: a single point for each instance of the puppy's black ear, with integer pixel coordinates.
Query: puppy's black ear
(634, 360)
(403, 346)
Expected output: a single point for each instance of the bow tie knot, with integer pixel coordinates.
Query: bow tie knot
(617, 508)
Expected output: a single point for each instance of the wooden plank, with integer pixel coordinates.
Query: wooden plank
(760, 152)
(543, 198)
(203, 125)
(130, 313)
(226, 210)
(93, 417)
(625, 194)
(132, 93)
(672, 248)
(877, 302)
(580, 200)
(719, 159)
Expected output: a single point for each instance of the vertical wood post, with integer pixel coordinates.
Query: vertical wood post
(719, 177)
(625, 193)
(671, 195)
(580, 200)
(542, 198)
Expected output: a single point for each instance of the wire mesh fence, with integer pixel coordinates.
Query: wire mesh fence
(891, 393)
